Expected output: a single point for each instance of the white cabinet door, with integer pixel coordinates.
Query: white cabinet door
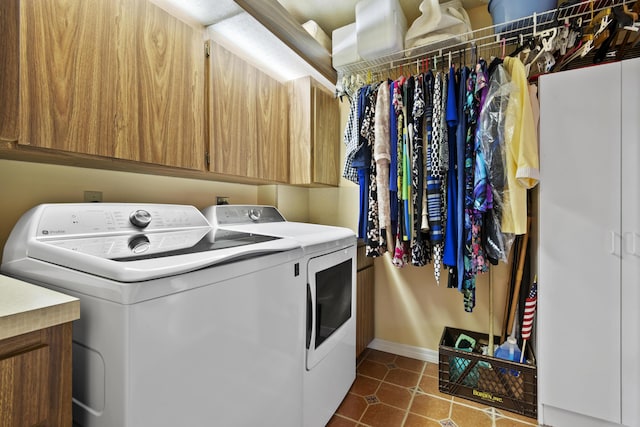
(631, 250)
(580, 242)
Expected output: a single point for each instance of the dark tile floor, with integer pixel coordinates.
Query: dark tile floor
(396, 391)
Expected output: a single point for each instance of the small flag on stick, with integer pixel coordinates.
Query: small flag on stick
(529, 312)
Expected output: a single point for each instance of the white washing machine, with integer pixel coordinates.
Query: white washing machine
(329, 271)
(181, 325)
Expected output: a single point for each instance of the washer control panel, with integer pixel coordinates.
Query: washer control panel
(67, 220)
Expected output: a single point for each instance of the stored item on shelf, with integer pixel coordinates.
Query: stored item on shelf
(345, 49)
(510, 10)
(380, 28)
(439, 25)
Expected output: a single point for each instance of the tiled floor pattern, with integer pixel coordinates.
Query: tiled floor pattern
(396, 391)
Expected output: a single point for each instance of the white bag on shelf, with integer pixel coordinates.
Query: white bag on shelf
(439, 23)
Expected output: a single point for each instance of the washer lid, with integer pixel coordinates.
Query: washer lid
(105, 240)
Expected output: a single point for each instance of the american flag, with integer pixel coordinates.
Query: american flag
(529, 311)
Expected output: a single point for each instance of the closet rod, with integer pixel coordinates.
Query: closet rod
(484, 37)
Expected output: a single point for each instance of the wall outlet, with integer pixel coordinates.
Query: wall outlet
(93, 196)
(222, 200)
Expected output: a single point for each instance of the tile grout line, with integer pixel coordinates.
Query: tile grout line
(413, 394)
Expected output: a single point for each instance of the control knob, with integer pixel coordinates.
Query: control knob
(255, 214)
(140, 218)
(139, 244)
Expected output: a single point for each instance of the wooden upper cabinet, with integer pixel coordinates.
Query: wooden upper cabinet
(160, 116)
(247, 113)
(68, 75)
(9, 77)
(273, 140)
(314, 133)
(120, 79)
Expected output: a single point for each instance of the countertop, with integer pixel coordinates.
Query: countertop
(25, 307)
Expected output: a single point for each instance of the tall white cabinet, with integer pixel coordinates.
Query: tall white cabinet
(589, 248)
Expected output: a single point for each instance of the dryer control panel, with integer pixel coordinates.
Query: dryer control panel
(222, 215)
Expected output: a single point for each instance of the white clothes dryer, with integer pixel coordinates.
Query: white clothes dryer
(329, 270)
(181, 325)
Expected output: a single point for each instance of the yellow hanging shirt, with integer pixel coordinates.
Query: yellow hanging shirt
(521, 145)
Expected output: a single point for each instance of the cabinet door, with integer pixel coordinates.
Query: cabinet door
(273, 130)
(9, 77)
(314, 133)
(233, 114)
(580, 242)
(24, 387)
(365, 309)
(326, 137)
(300, 130)
(631, 254)
(68, 75)
(160, 88)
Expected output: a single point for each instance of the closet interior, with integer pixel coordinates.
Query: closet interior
(442, 141)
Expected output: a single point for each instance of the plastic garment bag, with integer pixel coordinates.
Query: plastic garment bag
(491, 135)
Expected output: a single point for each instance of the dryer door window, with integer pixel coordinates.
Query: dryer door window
(330, 302)
(333, 299)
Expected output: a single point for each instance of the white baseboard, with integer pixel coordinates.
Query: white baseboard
(405, 350)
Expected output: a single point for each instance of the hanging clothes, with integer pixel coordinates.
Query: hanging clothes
(401, 252)
(419, 252)
(351, 139)
(393, 163)
(522, 151)
(449, 257)
(461, 134)
(469, 272)
(435, 179)
(375, 242)
(492, 143)
(361, 162)
(382, 158)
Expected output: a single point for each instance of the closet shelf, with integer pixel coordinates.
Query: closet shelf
(484, 39)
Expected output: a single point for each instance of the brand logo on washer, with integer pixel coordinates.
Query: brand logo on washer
(47, 232)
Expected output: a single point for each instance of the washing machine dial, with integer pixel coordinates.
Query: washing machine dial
(140, 218)
(139, 244)
(255, 214)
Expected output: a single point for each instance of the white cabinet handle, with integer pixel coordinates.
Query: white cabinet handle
(615, 236)
(634, 245)
(630, 242)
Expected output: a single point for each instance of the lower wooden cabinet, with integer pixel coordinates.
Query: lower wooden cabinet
(365, 279)
(35, 378)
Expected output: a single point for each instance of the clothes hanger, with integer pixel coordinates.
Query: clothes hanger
(546, 40)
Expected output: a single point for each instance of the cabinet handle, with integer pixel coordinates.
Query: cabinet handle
(613, 251)
(634, 246)
(629, 241)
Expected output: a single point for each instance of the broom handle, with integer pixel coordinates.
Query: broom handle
(516, 291)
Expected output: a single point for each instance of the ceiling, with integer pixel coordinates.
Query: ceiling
(328, 14)
(230, 25)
